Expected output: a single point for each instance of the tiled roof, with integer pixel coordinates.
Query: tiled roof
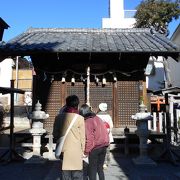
(89, 40)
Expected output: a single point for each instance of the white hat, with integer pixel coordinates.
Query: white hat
(103, 107)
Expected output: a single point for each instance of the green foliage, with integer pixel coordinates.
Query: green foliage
(157, 13)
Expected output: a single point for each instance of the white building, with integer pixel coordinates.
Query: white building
(5, 77)
(118, 17)
(174, 66)
(155, 78)
(5, 66)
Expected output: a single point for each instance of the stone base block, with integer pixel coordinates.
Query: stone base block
(36, 160)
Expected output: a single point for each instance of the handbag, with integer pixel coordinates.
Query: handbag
(60, 141)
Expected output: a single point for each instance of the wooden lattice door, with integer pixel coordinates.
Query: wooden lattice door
(127, 102)
(121, 97)
(77, 89)
(55, 100)
(99, 94)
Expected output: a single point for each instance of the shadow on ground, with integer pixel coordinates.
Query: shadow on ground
(126, 169)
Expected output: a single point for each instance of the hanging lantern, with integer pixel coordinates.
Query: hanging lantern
(104, 81)
(73, 80)
(114, 78)
(63, 80)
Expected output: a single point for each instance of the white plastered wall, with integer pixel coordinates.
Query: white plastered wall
(6, 76)
(117, 16)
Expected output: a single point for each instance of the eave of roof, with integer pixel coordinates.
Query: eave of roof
(68, 40)
(170, 90)
(3, 24)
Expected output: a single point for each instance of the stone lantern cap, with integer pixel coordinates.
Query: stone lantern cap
(142, 115)
(37, 113)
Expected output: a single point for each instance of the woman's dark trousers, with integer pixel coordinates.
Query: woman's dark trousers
(96, 161)
(72, 175)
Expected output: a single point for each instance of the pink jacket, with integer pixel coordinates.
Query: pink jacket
(96, 134)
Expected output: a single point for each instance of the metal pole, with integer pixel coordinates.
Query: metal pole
(12, 122)
(17, 68)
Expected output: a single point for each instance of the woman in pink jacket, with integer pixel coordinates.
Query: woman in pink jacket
(97, 140)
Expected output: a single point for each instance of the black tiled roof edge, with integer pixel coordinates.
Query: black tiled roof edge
(90, 40)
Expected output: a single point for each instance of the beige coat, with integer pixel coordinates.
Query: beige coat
(74, 144)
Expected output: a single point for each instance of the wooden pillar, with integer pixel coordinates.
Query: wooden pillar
(141, 87)
(64, 93)
(115, 106)
(145, 93)
(34, 91)
(168, 123)
(88, 87)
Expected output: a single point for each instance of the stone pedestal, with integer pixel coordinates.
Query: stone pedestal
(142, 132)
(50, 154)
(36, 156)
(37, 131)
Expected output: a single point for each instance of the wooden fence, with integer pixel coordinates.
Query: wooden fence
(159, 124)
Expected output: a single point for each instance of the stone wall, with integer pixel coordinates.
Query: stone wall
(21, 117)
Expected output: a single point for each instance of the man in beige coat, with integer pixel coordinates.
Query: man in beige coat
(73, 148)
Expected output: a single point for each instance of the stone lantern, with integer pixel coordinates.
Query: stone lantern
(142, 132)
(37, 131)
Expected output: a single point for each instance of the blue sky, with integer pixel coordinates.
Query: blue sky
(23, 14)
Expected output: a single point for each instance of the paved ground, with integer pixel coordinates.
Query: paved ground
(121, 168)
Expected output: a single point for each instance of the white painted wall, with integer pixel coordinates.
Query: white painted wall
(117, 17)
(155, 81)
(6, 74)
